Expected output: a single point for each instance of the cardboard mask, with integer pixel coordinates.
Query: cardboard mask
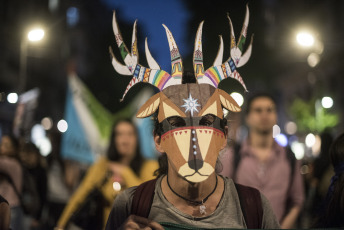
(190, 115)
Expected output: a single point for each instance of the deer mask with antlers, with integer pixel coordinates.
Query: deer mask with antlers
(190, 115)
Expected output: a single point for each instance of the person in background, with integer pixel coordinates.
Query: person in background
(34, 165)
(123, 164)
(63, 176)
(11, 179)
(260, 162)
(333, 210)
(5, 214)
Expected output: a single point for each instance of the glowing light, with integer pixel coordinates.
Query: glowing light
(282, 140)
(37, 133)
(327, 102)
(305, 39)
(47, 123)
(12, 98)
(73, 16)
(44, 146)
(310, 140)
(116, 186)
(298, 149)
(36, 35)
(317, 146)
(276, 130)
(62, 126)
(313, 59)
(290, 127)
(225, 112)
(238, 98)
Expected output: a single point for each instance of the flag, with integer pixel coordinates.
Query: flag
(89, 124)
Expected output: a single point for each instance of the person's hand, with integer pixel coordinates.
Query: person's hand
(138, 222)
(116, 171)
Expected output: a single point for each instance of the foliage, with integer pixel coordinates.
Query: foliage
(310, 116)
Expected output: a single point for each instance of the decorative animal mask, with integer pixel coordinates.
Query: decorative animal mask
(190, 115)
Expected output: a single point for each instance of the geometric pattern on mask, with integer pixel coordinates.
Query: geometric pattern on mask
(182, 138)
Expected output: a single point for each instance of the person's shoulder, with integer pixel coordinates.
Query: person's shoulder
(126, 194)
(151, 162)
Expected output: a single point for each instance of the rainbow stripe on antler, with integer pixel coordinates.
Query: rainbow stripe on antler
(153, 75)
(219, 71)
(161, 79)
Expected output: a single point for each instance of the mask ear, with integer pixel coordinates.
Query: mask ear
(228, 102)
(149, 107)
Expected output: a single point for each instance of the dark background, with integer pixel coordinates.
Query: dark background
(277, 64)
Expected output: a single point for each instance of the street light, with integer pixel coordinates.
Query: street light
(33, 35)
(305, 39)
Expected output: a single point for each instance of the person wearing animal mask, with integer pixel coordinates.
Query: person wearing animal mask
(190, 130)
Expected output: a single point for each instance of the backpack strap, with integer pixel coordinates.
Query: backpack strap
(143, 198)
(251, 206)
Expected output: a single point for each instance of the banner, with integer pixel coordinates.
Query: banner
(24, 116)
(89, 124)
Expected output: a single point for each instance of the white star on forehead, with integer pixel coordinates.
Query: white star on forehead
(190, 104)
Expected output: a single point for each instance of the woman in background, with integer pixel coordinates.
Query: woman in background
(123, 165)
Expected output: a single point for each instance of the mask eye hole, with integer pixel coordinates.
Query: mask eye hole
(176, 121)
(207, 120)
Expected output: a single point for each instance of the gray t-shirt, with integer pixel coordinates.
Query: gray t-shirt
(227, 215)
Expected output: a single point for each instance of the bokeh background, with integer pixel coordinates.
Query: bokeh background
(78, 35)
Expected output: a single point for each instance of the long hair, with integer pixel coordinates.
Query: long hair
(114, 155)
(334, 207)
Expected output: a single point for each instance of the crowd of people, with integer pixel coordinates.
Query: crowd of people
(47, 193)
(43, 193)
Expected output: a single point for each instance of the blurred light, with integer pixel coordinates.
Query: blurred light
(238, 98)
(53, 5)
(72, 16)
(47, 123)
(116, 186)
(310, 140)
(225, 112)
(35, 35)
(327, 102)
(316, 147)
(62, 126)
(313, 59)
(44, 146)
(282, 140)
(298, 149)
(305, 39)
(37, 133)
(276, 130)
(290, 127)
(12, 98)
(241, 133)
(293, 139)
(304, 169)
(319, 47)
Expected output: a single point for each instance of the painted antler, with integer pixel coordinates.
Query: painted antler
(219, 70)
(153, 75)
